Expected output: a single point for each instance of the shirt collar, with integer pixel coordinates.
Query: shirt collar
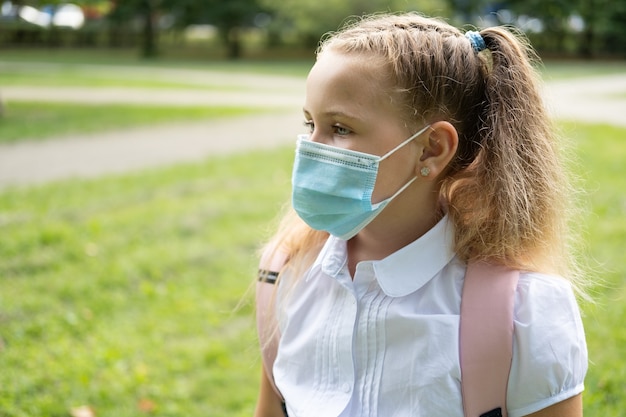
(407, 270)
(403, 272)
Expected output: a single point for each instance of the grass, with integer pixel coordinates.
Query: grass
(559, 70)
(299, 65)
(296, 66)
(64, 76)
(602, 152)
(122, 293)
(41, 120)
(206, 78)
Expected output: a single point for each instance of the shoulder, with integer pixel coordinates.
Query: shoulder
(549, 295)
(271, 264)
(273, 258)
(546, 302)
(549, 352)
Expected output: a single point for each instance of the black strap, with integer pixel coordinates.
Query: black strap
(497, 412)
(267, 276)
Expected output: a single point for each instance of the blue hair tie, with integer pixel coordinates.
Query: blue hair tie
(477, 41)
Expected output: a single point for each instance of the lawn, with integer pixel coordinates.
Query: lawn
(71, 58)
(41, 120)
(206, 78)
(98, 69)
(602, 153)
(23, 120)
(130, 294)
(558, 70)
(294, 67)
(58, 75)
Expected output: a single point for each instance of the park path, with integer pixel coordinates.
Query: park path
(593, 99)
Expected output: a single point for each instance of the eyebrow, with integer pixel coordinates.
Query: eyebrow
(336, 113)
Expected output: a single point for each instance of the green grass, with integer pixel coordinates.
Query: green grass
(123, 290)
(39, 120)
(34, 75)
(297, 66)
(122, 293)
(208, 77)
(602, 153)
(560, 70)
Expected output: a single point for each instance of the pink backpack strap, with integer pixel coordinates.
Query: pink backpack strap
(486, 338)
(267, 327)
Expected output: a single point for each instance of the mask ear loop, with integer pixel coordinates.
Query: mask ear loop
(404, 143)
(412, 180)
(387, 200)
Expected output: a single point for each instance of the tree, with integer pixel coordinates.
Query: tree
(145, 11)
(604, 23)
(312, 18)
(605, 27)
(467, 10)
(230, 17)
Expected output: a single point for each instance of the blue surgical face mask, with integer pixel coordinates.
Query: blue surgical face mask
(332, 187)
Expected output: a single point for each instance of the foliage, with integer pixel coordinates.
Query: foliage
(312, 18)
(603, 30)
(228, 16)
(305, 21)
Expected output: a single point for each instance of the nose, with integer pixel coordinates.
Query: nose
(318, 137)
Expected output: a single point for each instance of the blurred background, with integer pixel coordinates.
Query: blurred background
(146, 149)
(244, 28)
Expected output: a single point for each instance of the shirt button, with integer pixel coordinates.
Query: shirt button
(346, 387)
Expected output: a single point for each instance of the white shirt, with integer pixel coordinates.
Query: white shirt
(386, 343)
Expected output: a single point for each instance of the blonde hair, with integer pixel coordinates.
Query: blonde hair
(506, 190)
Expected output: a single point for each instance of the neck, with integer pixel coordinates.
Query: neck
(398, 225)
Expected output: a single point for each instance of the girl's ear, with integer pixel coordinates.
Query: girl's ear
(439, 148)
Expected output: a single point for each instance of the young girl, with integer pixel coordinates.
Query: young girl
(427, 149)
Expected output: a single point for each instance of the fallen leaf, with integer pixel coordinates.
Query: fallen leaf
(145, 405)
(83, 411)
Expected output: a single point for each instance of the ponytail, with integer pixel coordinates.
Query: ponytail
(509, 204)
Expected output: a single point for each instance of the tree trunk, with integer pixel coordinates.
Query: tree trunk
(148, 47)
(234, 43)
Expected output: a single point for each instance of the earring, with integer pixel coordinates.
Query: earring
(425, 171)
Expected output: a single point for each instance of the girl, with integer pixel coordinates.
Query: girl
(427, 149)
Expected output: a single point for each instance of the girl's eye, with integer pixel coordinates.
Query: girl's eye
(342, 131)
(338, 130)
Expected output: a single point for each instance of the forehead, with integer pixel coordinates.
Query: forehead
(350, 79)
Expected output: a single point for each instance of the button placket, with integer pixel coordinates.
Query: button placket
(344, 353)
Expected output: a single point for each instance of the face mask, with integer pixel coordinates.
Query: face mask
(332, 187)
